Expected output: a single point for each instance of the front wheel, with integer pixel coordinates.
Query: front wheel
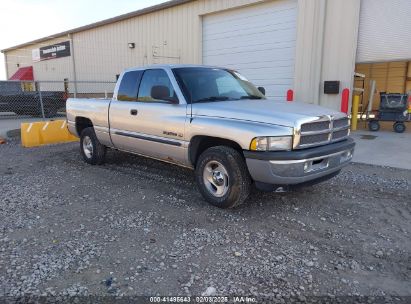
(222, 177)
(91, 149)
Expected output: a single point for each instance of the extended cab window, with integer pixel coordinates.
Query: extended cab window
(129, 86)
(156, 86)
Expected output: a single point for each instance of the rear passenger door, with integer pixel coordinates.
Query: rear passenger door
(148, 116)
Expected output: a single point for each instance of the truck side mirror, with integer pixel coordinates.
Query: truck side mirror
(262, 90)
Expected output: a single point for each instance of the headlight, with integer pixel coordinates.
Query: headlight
(271, 143)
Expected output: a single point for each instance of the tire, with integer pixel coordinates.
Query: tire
(222, 177)
(92, 151)
(399, 127)
(373, 125)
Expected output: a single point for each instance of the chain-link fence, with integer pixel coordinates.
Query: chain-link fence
(47, 99)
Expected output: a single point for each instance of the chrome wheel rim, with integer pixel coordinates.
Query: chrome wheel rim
(215, 178)
(88, 147)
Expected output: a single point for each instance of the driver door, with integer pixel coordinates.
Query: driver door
(152, 121)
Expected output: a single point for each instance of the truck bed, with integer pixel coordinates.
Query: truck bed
(95, 109)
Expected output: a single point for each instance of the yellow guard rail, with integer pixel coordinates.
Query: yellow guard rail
(40, 133)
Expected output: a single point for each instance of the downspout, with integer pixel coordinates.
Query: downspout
(73, 63)
(6, 68)
(324, 17)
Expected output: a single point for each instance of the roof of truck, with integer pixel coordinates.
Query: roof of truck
(171, 66)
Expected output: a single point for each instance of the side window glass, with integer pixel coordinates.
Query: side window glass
(156, 87)
(129, 86)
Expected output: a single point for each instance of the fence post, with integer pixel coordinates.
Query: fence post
(41, 100)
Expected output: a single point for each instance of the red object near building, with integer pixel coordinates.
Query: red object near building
(25, 73)
(290, 95)
(344, 100)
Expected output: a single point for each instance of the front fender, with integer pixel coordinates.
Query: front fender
(239, 131)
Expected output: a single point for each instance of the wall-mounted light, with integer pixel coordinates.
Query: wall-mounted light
(131, 45)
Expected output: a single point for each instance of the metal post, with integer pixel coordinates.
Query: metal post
(73, 63)
(371, 98)
(41, 100)
(354, 115)
(6, 66)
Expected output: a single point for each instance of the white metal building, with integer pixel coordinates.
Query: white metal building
(278, 44)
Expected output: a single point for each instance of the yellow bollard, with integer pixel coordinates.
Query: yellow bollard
(354, 114)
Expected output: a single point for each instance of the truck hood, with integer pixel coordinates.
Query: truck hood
(264, 111)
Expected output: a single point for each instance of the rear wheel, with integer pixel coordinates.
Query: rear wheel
(222, 177)
(399, 127)
(91, 149)
(373, 125)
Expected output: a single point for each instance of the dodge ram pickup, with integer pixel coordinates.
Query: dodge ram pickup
(213, 120)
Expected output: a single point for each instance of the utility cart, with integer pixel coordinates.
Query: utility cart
(393, 107)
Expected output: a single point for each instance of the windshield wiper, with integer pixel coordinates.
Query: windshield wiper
(212, 98)
(251, 97)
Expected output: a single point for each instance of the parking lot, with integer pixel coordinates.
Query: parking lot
(136, 226)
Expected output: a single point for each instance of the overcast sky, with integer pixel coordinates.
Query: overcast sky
(25, 20)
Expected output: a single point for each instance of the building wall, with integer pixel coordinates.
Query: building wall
(308, 60)
(326, 44)
(54, 69)
(170, 35)
(339, 47)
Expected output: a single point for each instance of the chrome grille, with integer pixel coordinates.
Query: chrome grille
(340, 134)
(315, 126)
(339, 123)
(322, 131)
(312, 139)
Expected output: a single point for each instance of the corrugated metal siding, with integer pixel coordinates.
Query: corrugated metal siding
(54, 69)
(384, 33)
(170, 35)
(167, 36)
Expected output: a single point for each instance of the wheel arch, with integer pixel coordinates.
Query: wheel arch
(200, 143)
(82, 123)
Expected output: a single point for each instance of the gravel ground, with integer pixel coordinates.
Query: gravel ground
(136, 226)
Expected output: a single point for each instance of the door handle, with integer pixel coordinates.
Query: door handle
(133, 112)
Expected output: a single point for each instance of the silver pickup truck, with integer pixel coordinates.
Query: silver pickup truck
(216, 122)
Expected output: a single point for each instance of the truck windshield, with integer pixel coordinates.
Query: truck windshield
(212, 84)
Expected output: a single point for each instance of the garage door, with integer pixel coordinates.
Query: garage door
(258, 41)
(384, 32)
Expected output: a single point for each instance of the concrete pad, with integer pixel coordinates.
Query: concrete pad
(383, 148)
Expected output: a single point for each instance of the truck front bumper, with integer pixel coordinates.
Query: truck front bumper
(299, 166)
